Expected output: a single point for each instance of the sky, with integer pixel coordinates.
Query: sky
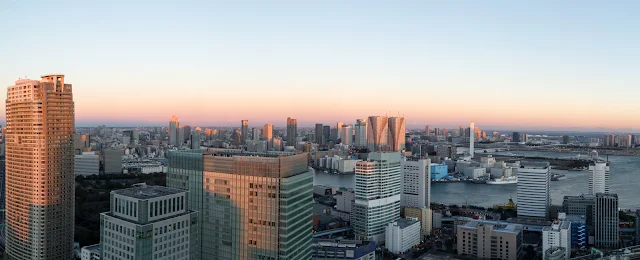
(501, 64)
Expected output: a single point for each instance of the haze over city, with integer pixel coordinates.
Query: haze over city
(504, 65)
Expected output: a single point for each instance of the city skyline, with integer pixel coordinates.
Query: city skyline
(483, 62)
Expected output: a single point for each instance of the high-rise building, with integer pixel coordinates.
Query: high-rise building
(624, 141)
(515, 137)
(583, 205)
(533, 190)
(149, 222)
(267, 132)
(565, 139)
(377, 193)
(599, 178)
(525, 138)
(397, 132)
(40, 181)
(472, 140)
(3, 187)
(173, 130)
(361, 133)
(244, 129)
(416, 183)
(436, 131)
(462, 131)
(378, 133)
(318, 134)
(606, 221)
(326, 133)
(195, 138)
(338, 131)
(609, 140)
(186, 133)
(427, 130)
(253, 205)
(483, 240)
(558, 235)
(180, 136)
(346, 135)
(292, 131)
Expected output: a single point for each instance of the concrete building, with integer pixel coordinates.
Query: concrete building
(583, 205)
(292, 131)
(360, 133)
(554, 253)
(173, 131)
(599, 178)
(112, 160)
(319, 136)
(149, 222)
(268, 194)
(533, 190)
(344, 202)
(515, 137)
(88, 163)
(472, 141)
(91, 252)
(338, 131)
(416, 183)
(565, 139)
(377, 192)
(609, 140)
(40, 181)
(558, 235)
(427, 130)
(378, 133)
(195, 138)
(180, 137)
(326, 132)
(402, 235)
(475, 172)
(346, 135)
(255, 134)
(244, 131)
(397, 132)
(606, 221)
(267, 132)
(578, 230)
(488, 240)
(423, 215)
(332, 249)
(438, 171)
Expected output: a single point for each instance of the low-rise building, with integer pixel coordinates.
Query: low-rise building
(489, 240)
(424, 217)
(475, 172)
(91, 252)
(402, 235)
(439, 171)
(149, 222)
(87, 163)
(558, 235)
(331, 249)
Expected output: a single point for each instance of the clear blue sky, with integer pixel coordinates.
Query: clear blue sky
(533, 64)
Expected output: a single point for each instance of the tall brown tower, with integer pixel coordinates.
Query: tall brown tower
(39, 169)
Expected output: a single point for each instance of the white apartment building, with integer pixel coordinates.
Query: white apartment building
(416, 183)
(599, 178)
(402, 235)
(377, 192)
(558, 235)
(87, 163)
(533, 190)
(149, 222)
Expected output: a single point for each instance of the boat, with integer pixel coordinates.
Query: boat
(503, 180)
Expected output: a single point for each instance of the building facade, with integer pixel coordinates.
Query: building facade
(91, 252)
(253, 205)
(558, 235)
(377, 193)
(489, 240)
(397, 132)
(402, 235)
(88, 163)
(292, 131)
(331, 249)
(195, 138)
(583, 205)
(416, 183)
(244, 130)
(599, 178)
(606, 221)
(319, 136)
(378, 133)
(533, 190)
(173, 130)
(112, 160)
(346, 135)
(149, 222)
(360, 128)
(40, 181)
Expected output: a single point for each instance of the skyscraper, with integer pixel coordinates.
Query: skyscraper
(338, 131)
(472, 140)
(173, 130)
(346, 135)
(180, 136)
(609, 140)
(427, 130)
(253, 205)
(361, 133)
(255, 134)
(533, 190)
(186, 135)
(378, 133)
(515, 137)
(416, 183)
(195, 138)
(397, 132)
(326, 132)
(462, 131)
(318, 134)
(244, 129)
(377, 194)
(607, 222)
(599, 178)
(39, 169)
(292, 131)
(267, 132)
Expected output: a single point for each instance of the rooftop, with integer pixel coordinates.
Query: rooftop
(93, 248)
(404, 223)
(534, 164)
(144, 192)
(239, 152)
(557, 226)
(498, 227)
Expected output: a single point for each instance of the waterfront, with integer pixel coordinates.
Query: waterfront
(625, 180)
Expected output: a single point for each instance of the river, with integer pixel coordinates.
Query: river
(625, 181)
